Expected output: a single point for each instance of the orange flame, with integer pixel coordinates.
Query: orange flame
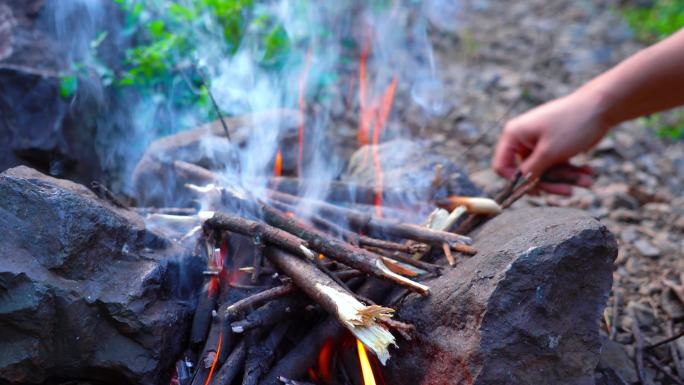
(302, 105)
(382, 115)
(216, 357)
(366, 368)
(278, 164)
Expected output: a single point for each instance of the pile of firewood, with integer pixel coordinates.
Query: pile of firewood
(308, 256)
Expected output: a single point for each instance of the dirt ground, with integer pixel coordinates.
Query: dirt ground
(536, 50)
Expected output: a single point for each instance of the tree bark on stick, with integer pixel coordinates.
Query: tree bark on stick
(367, 222)
(358, 318)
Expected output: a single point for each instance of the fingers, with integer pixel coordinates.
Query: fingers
(555, 188)
(507, 154)
(569, 174)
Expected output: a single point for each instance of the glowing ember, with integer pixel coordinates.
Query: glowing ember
(278, 164)
(366, 369)
(324, 361)
(302, 89)
(216, 357)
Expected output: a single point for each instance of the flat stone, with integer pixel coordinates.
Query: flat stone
(524, 310)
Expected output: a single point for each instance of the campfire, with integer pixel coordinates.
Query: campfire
(287, 274)
(256, 250)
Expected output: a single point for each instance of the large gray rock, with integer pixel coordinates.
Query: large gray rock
(157, 182)
(410, 166)
(524, 310)
(86, 292)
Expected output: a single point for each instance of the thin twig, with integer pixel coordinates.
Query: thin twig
(666, 340)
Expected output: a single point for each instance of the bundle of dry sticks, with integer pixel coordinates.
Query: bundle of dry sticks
(313, 254)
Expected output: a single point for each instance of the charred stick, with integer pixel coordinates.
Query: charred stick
(234, 363)
(359, 319)
(258, 259)
(260, 358)
(275, 236)
(259, 299)
(303, 356)
(209, 358)
(270, 314)
(362, 221)
(206, 303)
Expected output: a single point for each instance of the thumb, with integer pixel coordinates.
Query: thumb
(537, 163)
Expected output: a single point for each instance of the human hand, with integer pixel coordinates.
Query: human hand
(541, 142)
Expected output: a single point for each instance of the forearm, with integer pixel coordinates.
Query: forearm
(650, 81)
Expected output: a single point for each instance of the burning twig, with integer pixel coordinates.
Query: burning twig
(360, 319)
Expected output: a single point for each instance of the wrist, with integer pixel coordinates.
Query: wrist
(600, 104)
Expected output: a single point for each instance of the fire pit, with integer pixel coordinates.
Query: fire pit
(311, 246)
(266, 285)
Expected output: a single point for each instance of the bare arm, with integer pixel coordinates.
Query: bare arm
(650, 81)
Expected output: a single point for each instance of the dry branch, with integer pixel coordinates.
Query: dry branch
(367, 222)
(260, 231)
(338, 250)
(360, 319)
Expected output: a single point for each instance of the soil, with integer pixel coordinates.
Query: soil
(537, 50)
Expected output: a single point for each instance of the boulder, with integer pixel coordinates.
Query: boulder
(86, 291)
(157, 182)
(410, 166)
(525, 310)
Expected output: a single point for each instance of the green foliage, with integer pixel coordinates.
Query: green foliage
(655, 21)
(67, 86)
(166, 33)
(669, 125)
